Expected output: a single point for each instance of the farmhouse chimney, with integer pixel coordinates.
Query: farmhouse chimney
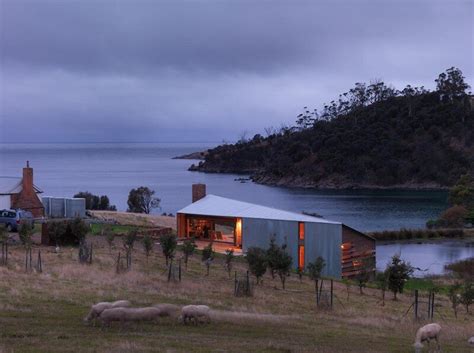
(199, 191)
(27, 182)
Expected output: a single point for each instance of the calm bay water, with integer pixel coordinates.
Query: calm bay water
(113, 169)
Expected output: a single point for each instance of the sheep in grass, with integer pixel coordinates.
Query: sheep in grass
(427, 333)
(471, 342)
(168, 310)
(195, 313)
(129, 314)
(98, 308)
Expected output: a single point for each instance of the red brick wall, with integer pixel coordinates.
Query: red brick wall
(199, 191)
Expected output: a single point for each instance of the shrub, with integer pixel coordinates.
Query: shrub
(208, 257)
(168, 244)
(454, 216)
(229, 257)
(147, 245)
(25, 232)
(56, 231)
(257, 261)
(189, 245)
(398, 273)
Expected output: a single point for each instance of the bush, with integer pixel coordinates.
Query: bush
(189, 245)
(95, 202)
(168, 244)
(398, 273)
(257, 261)
(454, 216)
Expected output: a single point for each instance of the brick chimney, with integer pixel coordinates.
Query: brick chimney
(199, 191)
(27, 182)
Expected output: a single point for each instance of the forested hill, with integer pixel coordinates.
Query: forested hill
(373, 136)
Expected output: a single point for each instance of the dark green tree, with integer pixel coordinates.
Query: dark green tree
(451, 83)
(257, 261)
(95, 202)
(147, 245)
(229, 257)
(282, 264)
(207, 257)
(142, 200)
(398, 273)
(168, 244)
(462, 193)
(272, 255)
(189, 246)
(56, 231)
(467, 294)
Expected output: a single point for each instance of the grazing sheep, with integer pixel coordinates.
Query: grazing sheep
(129, 314)
(195, 313)
(170, 310)
(427, 333)
(471, 341)
(98, 308)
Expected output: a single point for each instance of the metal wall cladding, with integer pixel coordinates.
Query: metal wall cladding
(321, 239)
(324, 240)
(61, 207)
(75, 208)
(257, 232)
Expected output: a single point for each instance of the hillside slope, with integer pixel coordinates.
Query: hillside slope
(403, 141)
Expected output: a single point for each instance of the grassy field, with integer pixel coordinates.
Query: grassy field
(43, 312)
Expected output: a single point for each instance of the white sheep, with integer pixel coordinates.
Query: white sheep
(195, 313)
(471, 341)
(98, 308)
(130, 314)
(170, 310)
(427, 333)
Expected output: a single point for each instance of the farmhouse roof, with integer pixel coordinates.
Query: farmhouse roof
(13, 185)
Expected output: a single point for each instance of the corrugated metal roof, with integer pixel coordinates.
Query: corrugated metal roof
(12, 185)
(213, 205)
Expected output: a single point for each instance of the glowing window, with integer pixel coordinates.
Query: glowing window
(301, 230)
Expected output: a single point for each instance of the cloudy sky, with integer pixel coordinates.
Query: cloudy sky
(207, 70)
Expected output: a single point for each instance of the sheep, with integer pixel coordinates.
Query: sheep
(170, 310)
(98, 308)
(427, 333)
(471, 341)
(129, 314)
(195, 313)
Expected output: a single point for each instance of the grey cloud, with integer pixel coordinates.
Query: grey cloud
(163, 70)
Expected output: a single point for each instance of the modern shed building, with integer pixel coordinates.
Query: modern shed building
(244, 225)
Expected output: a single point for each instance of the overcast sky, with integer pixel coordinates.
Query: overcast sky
(156, 71)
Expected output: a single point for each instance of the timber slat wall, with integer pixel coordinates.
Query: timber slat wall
(357, 249)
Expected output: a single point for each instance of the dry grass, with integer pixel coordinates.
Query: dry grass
(44, 312)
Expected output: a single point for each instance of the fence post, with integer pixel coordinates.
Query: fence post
(247, 290)
(39, 264)
(416, 304)
(432, 305)
(118, 263)
(235, 283)
(317, 290)
(429, 305)
(332, 289)
(179, 270)
(169, 270)
(90, 255)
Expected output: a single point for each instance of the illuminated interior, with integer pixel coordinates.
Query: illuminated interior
(301, 245)
(217, 229)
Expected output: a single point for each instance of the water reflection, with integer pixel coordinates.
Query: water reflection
(428, 258)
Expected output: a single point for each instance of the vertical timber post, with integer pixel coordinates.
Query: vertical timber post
(332, 290)
(429, 305)
(416, 304)
(179, 270)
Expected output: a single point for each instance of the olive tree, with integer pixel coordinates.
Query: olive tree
(189, 246)
(398, 273)
(257, 260)
(168, 244)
